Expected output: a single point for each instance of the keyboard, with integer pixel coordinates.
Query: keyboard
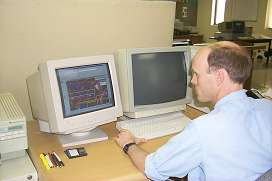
(154, 126)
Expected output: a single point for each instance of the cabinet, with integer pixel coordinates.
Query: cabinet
(246, 10)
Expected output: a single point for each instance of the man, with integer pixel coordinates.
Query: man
(232, 142)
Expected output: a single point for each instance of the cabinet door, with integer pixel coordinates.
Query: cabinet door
(245, 10)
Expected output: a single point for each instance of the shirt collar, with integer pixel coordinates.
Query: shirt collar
(230, 97)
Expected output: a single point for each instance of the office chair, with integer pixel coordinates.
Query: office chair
(267, 176)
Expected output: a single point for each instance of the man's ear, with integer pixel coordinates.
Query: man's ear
(220, 75)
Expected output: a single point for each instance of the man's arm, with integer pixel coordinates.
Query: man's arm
(136, 154)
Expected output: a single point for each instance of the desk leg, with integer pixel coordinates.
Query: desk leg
(247, 84)
(269, 46)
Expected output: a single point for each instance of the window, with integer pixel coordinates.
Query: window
(218, 11)
(268, 21)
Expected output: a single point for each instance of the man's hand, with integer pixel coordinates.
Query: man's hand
(125, 137)
(136, 154)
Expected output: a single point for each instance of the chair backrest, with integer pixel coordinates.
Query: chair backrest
(267, 176)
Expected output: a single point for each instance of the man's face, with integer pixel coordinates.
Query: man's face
(202, 80)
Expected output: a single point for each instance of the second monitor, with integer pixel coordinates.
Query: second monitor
(154, 81)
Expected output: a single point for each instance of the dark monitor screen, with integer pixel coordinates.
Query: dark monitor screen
(85, 89)
(159, 77)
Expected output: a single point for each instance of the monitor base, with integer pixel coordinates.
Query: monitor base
(74, 139)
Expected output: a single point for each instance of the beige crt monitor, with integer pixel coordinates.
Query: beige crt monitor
(154, 81)
(72, 96)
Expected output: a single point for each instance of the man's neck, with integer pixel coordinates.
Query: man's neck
(226, 90)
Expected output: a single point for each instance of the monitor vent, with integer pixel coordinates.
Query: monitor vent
(9, 109)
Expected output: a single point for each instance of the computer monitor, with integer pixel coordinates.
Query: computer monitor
(71, 97)
(154, 81)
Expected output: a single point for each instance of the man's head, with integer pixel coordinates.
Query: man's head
(219, 69)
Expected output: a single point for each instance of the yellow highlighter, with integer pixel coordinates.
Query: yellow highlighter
(45, 163)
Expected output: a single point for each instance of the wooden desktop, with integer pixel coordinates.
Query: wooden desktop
(105, 160)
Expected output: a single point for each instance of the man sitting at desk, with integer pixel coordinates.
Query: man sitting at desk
(232, 142)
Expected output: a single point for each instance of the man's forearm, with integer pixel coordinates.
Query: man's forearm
(137, 156)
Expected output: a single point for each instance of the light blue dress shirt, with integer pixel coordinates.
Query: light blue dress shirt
(232, 142)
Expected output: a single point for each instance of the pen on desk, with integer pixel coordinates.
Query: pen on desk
(61, 162)
(53, 159)
(58, 164)
(57, 160)
(44, 161)
(46, 156)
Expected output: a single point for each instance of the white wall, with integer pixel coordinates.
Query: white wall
(33, 31)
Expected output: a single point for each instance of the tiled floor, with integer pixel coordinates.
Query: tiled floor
(262, 75)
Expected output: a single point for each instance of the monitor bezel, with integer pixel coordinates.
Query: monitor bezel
(153, 109)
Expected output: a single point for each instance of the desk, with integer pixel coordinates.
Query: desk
(105, 160)
(248, 41)
(194, 38)
(257, 40)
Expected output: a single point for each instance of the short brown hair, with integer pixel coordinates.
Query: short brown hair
(231, 57)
